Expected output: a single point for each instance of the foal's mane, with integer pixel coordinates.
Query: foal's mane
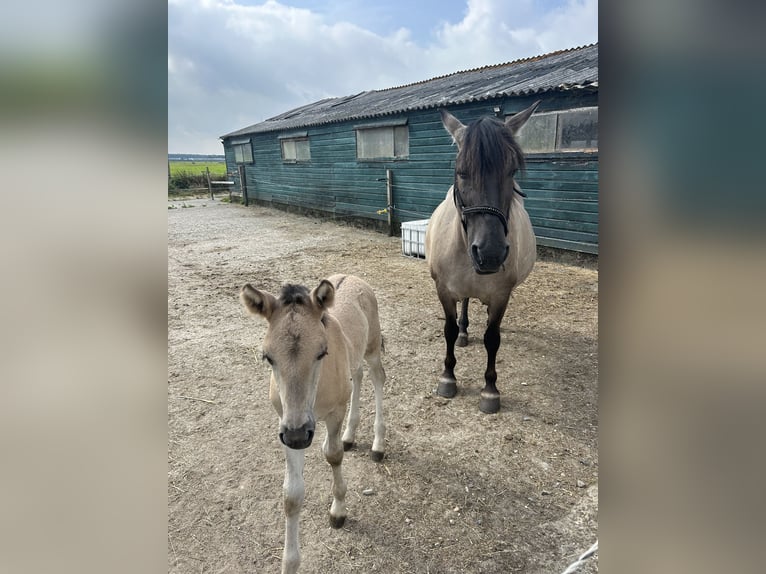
(486, 147)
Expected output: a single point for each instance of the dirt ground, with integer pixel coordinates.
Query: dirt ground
(458, 491)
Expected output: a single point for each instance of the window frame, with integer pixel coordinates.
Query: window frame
(556, 135)
(295, 138)
(239, 147)
(399, 132)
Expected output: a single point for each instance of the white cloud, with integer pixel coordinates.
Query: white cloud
(232, 65)
(574, 24)
(496, 31)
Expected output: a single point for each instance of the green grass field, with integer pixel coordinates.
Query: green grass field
(197, 167)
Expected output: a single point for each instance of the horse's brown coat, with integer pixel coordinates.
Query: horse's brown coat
(455, 241)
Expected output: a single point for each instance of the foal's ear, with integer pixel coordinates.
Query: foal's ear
(323, 294)
(258, 302)
(454, 126)
(517, 120)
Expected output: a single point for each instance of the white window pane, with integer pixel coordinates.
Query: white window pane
(288, 149)
(302, 150)
(374, 143)
(243, 153)
(538, 135)
(401, 141)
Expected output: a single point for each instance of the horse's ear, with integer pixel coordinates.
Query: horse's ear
(323, 294)
(454, 126)
(517, 120)
(258, 302)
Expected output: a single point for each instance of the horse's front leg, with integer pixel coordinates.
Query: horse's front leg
(462, 338)
(333, 452)
(447, 382)
(352, 421)
(490, 396)
(293, 491)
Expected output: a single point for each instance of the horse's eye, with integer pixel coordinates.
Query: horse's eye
(321, 355)
(462, 174)
(267, 359)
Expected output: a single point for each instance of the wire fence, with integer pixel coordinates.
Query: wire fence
(351, 191)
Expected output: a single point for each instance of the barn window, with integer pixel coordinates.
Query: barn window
(390, 140)
(538, 135)
(578, 130)
(563, 131)
(243, 151)
(295, 147)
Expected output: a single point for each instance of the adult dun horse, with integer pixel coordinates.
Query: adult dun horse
(480, 242)
(316, 343)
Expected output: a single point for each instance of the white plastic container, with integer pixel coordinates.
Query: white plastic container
(414, 238)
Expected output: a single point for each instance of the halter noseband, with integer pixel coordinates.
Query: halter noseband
(480, 208)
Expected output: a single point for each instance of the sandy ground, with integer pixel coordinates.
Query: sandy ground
(457, 492)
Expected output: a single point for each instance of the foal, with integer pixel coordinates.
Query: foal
(316, 343)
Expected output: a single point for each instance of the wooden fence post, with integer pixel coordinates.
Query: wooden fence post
(209, 185)
(390, 200)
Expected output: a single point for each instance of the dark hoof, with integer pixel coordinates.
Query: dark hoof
(376, 455)
(337, 521)
(489, 405)
(447, 389)
(462, 340)
(348, 445)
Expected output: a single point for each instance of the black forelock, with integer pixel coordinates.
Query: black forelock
(486, 145)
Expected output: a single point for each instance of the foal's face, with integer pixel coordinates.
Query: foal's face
(295, 346)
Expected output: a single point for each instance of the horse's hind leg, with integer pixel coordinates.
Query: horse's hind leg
(333, 452)
(378, 377)
(353, 412)
(462, 337)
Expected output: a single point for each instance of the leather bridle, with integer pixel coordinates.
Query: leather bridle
(463, 210)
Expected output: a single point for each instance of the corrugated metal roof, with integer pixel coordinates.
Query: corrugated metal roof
(576, 68)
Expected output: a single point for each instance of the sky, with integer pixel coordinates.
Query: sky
(234, 63)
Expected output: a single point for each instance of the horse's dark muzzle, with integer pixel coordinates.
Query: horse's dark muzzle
(297, 438)
(488, 261)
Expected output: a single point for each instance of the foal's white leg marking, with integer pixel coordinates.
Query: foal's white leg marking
(333, 452)
(353, 412)
(293, 491)
(378, 376)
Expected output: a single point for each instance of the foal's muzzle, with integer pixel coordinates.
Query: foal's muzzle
(298, 438)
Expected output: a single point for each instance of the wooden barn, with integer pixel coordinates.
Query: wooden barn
(383, 155)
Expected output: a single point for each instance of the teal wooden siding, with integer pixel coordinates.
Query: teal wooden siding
(562, 200)
(562, 190)
(334, 181)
